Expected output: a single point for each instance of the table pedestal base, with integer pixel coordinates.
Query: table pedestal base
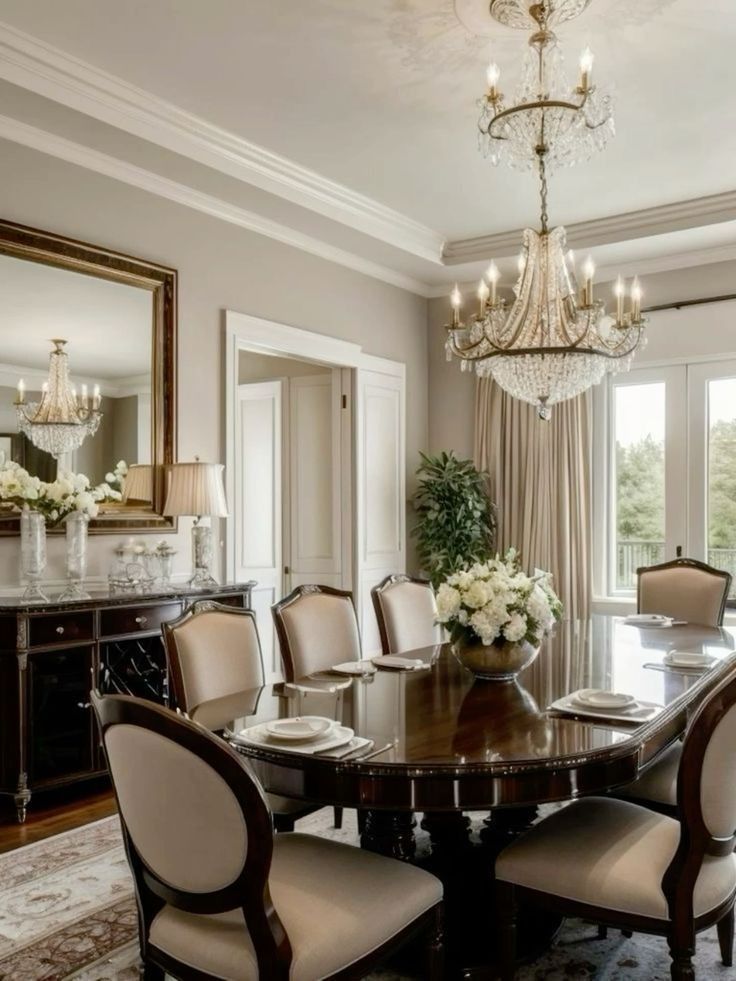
(466, 871)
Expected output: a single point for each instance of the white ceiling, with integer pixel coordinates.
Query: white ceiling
(379, 96)
(107, 325)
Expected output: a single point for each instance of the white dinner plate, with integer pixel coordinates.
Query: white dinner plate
(687, 659)
(300, 729)
(258, 736)
(398, 663)
(602, 699)
(354, 667)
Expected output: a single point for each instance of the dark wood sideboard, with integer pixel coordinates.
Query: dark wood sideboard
(52, 654)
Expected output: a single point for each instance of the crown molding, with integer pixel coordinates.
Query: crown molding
(48, 71)
(648, 222)
(146, 180)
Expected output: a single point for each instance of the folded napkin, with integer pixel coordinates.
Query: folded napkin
(637, 712)
(400, 663)
(648, 620)
(354, 746)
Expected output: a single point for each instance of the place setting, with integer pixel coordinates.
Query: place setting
(600, 703)
(310, 735)
(684, 662)
(650, 620)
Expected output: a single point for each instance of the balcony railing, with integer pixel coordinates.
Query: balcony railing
(632, 554)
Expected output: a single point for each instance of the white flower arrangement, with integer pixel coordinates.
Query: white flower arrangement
(496, 600)
(55, 500)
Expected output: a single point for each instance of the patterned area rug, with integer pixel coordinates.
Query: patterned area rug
(67, 911)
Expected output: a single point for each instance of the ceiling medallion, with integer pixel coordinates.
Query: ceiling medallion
(554, 341)
(518, 13)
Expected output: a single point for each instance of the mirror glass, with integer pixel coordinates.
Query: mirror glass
(107, 327)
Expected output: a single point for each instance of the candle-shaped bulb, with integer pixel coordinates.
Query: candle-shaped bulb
(74, 393)
(85, 396)
(493, 74)
(493, 277)
(586, 68)
(96, 397)
(21, 391)
(456, 300)
(482, 297)
(588, 273)
(521, 263)
(571, 259)
(45, 388)
(619, 290)
(636, 295)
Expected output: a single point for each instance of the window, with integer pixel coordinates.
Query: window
(665, 474)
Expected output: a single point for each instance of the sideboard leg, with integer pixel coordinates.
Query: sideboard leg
(21, 799)
(389, 833)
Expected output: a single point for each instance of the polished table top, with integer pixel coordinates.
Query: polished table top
(449, 741)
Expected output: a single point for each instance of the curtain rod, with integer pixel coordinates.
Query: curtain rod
(691, 303)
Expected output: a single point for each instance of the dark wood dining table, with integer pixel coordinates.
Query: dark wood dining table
(444, 743)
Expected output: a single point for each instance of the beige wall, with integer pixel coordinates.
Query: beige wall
(698, 331)
(220, 267)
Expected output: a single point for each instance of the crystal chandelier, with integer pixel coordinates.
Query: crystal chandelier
(555, 340)
(62, 420)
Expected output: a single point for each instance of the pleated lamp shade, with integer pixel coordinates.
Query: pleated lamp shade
(138, 484)
(196, 489)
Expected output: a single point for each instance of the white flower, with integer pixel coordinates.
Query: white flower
(476, 595)
(486, 628)
(110, 478)
(516, 628)
(539, 608)
(448, 602)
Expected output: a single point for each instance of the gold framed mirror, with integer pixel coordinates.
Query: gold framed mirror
(118, 318)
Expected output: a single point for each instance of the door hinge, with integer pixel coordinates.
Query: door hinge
(344, 401)
(287, 570)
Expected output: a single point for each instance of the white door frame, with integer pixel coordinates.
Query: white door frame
(247, 333)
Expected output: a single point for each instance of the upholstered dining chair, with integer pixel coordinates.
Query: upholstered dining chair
(317, 627)
(684, 589)
(623, 865)
(213, 651)
(406, 612)
(218, 895)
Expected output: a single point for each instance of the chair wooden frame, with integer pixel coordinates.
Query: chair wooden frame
(250, 890)
(376, 593)
(687, 564)
(283, 821)
(678, 883)
(287, 656)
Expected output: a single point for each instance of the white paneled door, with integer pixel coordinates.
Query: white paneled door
(381, 488)
(313, 535)
(258, 504)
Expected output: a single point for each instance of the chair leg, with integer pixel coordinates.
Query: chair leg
(151, 972)
(338, 817)
(627, 933)
(506, 907)
(283, 823)
(602, 932)
(681, 952)
(436, 948)
(725, 938)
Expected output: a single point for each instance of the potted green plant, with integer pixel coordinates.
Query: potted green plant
(456, 518)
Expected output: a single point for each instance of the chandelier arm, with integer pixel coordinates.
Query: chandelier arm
(539, 104)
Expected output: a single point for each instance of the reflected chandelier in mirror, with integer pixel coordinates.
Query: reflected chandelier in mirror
(117, 317)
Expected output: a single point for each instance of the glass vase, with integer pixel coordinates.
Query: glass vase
(32, 555)
(76, 525)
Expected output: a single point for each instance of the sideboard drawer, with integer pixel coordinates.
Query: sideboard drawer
(135, 620)
(58, 628)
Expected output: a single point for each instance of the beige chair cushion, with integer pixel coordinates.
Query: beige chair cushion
(337, 903)
(219, 653)
(611, 854)
(659, 782)
(322, 630)
(684, 593)
(176, 807)
(718, 778)
(410, 614)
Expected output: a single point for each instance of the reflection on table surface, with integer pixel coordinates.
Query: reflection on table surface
(444, 716)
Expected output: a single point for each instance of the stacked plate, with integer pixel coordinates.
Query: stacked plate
(688, 659)
(303, 734)
(397, 663)
(598, 703)
(648, 620)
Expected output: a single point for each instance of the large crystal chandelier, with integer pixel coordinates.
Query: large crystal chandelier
(62, 419)
(555, 340)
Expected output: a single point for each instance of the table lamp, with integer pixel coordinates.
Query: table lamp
(196, 489)
(138, 483)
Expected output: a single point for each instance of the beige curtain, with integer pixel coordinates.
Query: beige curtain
(540, 482)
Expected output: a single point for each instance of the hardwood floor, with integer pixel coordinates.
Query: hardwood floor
(53, 812)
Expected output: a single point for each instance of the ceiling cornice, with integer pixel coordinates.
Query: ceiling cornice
(646, 223)
(42, 68)
(146, 180)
